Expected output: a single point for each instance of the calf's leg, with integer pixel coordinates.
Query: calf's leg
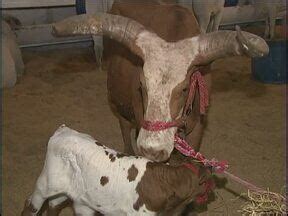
(81, 210)
(56, 205)
(34, 203)
(41, 193)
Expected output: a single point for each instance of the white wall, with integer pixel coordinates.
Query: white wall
(36, 22)
(244, 14)
(35, 3)
(36, 16)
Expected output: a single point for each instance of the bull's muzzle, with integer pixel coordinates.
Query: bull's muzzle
(154, 155)
(156, 145)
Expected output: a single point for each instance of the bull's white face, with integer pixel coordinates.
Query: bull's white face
(164, 83)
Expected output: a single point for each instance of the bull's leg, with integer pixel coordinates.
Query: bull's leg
(81, 210)
(126, 129)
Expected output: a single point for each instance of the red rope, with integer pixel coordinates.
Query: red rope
(182, 146)
(193, 168)
(158, 125)
(197, 80)
(208, 184)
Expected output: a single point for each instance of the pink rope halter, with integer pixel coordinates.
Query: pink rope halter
(197, 80)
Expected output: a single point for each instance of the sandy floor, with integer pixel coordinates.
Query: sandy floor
(246, 122)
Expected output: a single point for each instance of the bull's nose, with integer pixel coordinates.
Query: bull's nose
(161, 156)
(154, 155)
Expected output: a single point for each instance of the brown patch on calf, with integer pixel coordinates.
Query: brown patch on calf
(104, 180)
(164, 187)
(120, 155)
(137, 205)
(56, 210)
(98, 143)
(132, 173)
(112, 157)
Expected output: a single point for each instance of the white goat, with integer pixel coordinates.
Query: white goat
(12, 62)
(208, 12)
(268, 8)
(100, 179)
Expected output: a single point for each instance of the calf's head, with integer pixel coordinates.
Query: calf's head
(167, 67)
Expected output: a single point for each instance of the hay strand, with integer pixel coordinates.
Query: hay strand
(264, 203)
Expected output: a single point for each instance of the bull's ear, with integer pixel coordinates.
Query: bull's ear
(138, 99)
(220, 44)
(119, 28)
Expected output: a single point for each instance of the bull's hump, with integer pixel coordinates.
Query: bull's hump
(155, 47)
(167, 62)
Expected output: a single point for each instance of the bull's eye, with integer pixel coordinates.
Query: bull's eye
(185, 90)
(142, 87)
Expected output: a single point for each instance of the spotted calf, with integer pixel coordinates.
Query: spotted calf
(97, 178)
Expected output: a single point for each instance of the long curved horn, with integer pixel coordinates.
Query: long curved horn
(221, 44)
(119, 28)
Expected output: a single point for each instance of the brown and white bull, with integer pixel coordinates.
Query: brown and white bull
(150, 81)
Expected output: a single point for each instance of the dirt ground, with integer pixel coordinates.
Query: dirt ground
(246, 124)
